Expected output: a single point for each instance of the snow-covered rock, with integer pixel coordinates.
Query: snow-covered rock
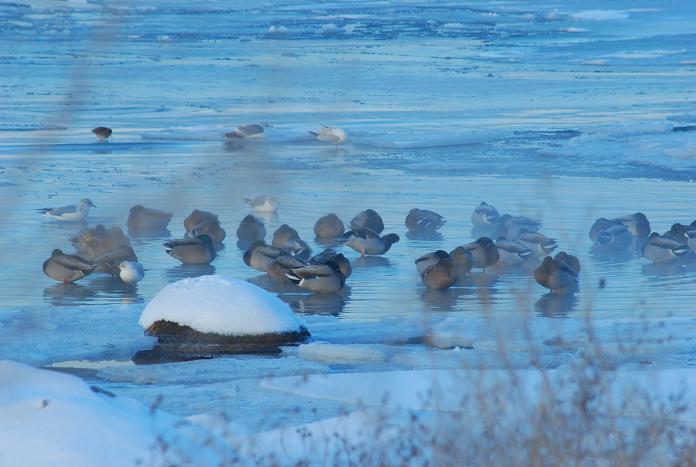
(220, 305)
(220, 314)
(51, 418)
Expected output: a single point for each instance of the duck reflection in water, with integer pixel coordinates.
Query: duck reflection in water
(673, 268)
(268, 283)
(444, 300)
(68, 294)
(317, 304)
(555, 305)
(424, 235)
(183, 271)
(370, 262)
(607, 255)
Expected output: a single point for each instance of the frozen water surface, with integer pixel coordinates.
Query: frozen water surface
(563, 112)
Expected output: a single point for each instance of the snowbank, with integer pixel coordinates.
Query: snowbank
(220, 305)
(50, 418)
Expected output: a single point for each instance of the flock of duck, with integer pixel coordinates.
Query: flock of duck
(288, 258)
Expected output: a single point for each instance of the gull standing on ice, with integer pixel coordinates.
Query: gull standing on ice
(263, 203)
(70, 213)
(330, 135)
(131, 272)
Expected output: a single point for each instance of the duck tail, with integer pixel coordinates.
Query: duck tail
(248, 201)
(292, 277)
(313, 133)
(345, 236)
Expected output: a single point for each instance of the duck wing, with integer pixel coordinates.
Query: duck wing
(74, 262)
(313, 270)
(289, 261)
(181, 242)
(59, 211)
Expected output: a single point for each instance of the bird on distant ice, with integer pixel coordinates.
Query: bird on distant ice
(103, 133)
(254, 130)
(70, 213)
(330, 135)
(263, 203)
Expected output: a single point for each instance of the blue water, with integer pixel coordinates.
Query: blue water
(564, 112)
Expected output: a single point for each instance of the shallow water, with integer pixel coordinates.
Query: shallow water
(562, 113)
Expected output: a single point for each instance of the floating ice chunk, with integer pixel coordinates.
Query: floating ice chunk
(601, 15)
(220, 305)
(595, 62)
(327, 29)
(342, 353)
(50, 418)
(210, 371)
(446, 340)
(278, 30)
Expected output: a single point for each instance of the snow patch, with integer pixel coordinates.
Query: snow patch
(50, 418)
(342, 353)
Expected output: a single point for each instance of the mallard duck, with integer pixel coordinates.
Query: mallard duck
(559, 274)
(511, 227)
(691, 236)
(330, 255)
(260, 255)
(99, 240)
(329, 226)
(110, 261)
(263, 203)
(281, 266)
(436, 270)
(462, 260)
(637, 224)
(204, 222)
(142, 219)
(103, 133)
(287, 239)
(512, 253)
(368, 243)
(251, 229)
(485, 215)
(615, 237)
(131, 272)
(193, 250)
(601, 225)
(367, 220)
(661, 249)
(67, 268)
(425, 261)
(71, 212)
(423, 220)
(319, 278)
(483, 252)
(678, 232)
(540, 244)
(330, 135)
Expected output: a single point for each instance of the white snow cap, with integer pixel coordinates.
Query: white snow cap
(220, 305)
